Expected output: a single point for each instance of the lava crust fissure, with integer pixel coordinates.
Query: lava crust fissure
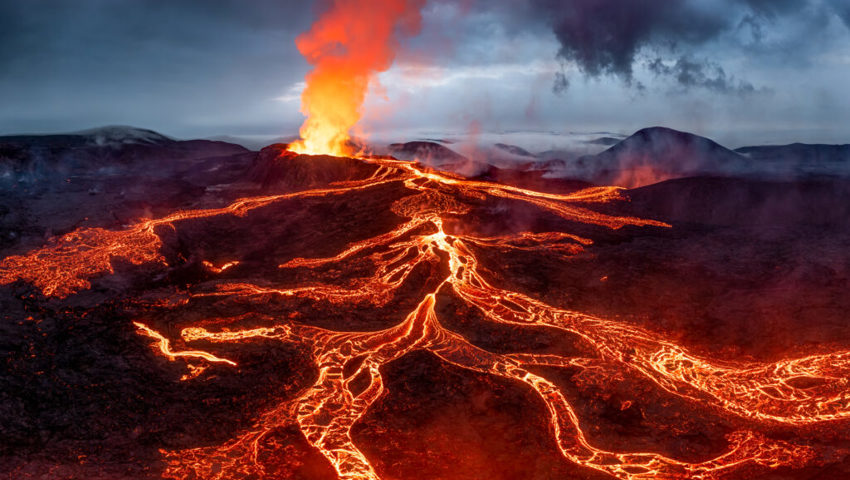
(386, 333)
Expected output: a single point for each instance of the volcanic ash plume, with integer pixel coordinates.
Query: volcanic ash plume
(347, 46)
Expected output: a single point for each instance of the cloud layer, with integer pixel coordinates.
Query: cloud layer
(608, 37)
(193, 68)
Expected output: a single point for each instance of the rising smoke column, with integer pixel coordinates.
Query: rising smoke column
(347, 46)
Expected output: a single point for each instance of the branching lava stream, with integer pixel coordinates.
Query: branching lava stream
(350, 363)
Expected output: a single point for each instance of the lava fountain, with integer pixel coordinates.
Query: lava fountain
(347, 46)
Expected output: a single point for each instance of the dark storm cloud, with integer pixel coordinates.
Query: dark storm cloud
(604, 36)
(843, 9)
(609, 37)
(689, 72)
(562, 83)
(774, 7)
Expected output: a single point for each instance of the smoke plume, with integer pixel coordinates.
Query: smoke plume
(608, 37)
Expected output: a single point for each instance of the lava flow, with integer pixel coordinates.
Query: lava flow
(429, 252)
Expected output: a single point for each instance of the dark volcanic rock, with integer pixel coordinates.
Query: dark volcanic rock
(748, 271)
(799, 160)
(801, 152)
(746, 203)
(534, 179)
(426, 152)
(277, 167)
(108, 177)
(25, 159)
(655, 154)
(515, 150)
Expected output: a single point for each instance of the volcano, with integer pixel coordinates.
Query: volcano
(326, 317)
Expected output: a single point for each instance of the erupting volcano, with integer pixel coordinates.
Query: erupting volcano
(347, 46)
(318, 311)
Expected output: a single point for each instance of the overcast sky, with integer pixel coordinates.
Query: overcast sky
(739, 71)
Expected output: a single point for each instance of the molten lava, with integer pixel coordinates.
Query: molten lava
(795, 393)
(347, 46)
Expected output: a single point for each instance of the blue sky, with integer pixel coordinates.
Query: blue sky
(740, 71)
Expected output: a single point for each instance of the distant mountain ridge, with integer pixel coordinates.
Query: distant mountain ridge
(655, 154)
(431, 153)
(112, 134)
(124, 134)
(802, 151)
(35, 158)
(648, 156)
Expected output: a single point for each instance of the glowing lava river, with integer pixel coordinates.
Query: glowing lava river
(416, 281)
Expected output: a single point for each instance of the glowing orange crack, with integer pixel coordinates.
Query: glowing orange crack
(165, 347)
(326, 411)
(65, 265)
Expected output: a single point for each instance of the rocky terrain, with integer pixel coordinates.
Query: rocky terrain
(729, 267)
(648, 156)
